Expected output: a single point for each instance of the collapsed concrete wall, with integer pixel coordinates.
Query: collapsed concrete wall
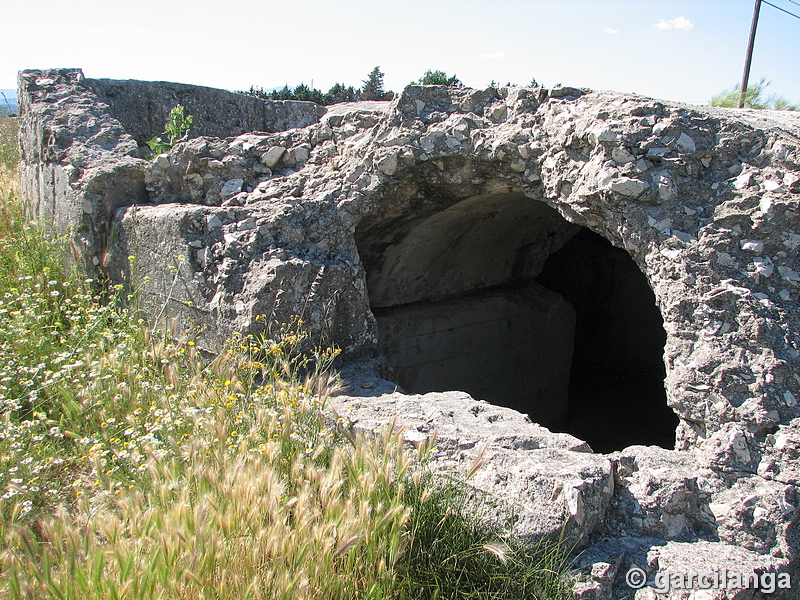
(371, 216)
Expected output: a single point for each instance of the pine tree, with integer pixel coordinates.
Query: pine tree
(373, 86)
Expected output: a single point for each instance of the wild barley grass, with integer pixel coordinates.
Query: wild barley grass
(216, 524)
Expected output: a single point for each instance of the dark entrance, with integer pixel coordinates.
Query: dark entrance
(499, 296)
(616, 386)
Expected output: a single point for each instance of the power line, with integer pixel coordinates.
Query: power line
(793, 2)
(783, 9)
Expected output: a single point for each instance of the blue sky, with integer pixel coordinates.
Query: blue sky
(671, 49)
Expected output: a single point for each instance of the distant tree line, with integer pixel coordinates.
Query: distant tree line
(7, 108)
(372, 89)
(338, 93)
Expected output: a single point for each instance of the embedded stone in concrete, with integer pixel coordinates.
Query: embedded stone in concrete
(528, 481)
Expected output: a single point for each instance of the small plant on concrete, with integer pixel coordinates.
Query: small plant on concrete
(176, 130)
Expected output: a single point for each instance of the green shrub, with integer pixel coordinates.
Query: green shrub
(755, 97)
(438, 78)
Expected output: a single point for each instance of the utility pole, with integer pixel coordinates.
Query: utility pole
(749, 58)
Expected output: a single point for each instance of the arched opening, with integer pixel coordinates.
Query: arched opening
(499, 296)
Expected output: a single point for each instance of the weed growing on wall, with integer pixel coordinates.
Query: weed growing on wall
(176, 130)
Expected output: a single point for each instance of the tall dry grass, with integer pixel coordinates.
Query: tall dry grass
(216, 524)
(9, 147)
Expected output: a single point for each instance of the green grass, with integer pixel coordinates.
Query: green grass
(133, 467)
(450, 556)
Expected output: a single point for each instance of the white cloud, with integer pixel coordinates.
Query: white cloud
(677, 23)
(610, 30)
(499, 55)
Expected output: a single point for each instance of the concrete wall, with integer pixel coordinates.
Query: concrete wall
(704, 200)
(510, 347)
(143, 106)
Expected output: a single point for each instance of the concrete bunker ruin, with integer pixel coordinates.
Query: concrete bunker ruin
(501, 297)
(508, 209)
